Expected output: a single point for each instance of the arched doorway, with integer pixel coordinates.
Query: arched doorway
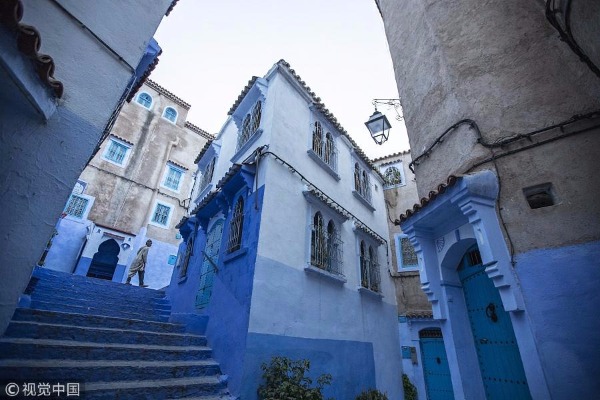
(105, 260)
(436, 370)
(497, 350)
(209, 264)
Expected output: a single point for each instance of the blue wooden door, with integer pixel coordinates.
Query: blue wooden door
(435, 365)
(495, 342)
(209, 261)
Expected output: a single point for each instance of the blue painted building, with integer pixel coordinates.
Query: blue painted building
(285, 252)
(502, 107)
(66, 67)
(135, 188)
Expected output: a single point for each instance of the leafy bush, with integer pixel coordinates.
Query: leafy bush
(284, 379)
(372, 394)
(410, 390)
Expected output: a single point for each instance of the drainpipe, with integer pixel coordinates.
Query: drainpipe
(170, 146)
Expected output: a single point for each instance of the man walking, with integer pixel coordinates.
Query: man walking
(139, 264)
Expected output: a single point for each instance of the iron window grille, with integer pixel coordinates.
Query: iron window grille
(145, 100)
(392, 176)
(161, 214)
(173, 178)
(409, 257)
(186, 258)
(116, 152)
(250, 125)
(235, 231)
(324, 147)
(325, 247)
(208, 174)
(76, 206)
(369, 269)
(361, 183)
(170, 114)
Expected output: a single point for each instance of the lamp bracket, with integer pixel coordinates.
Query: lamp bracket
(395, 103)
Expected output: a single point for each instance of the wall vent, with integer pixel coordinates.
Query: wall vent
(539, 196)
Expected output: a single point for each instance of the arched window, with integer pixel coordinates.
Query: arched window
(373, 270)
(392, 176)
(170, 114)
(208, 174)
(357, 185)
(364, 265)
(329, 151)
(245, 134)
(317, 242)
(369, 268)
(256, 114)
(317, 139)
(235, 230)
(145, 100)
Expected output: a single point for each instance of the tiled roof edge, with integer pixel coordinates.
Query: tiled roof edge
(203, 150)
(171, 7)
(198, 130)
(145, 77)
(122, 139)
(400, 153)
(28, 42)
(242, 95)
(169, 95)
(441, 188)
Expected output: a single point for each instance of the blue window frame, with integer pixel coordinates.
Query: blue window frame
(170, 114)
(145, 100)
(161, 214)
(116, 152)
(76, 206)
(173, 177)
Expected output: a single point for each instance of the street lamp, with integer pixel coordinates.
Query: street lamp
(378, 124)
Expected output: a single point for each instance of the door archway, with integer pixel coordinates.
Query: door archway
(105, 260)
(209, 264)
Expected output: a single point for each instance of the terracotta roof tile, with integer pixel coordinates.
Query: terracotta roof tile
(122, 139)
(177, 165)
(29, 42)
(419, 314)
(400, 153)
(169, 95)
(234, 169)
(144, 77)
(431, 196)
(242, 95)
(198, 130)
(171, 7)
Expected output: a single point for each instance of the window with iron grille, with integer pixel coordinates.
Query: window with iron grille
(207, 174)
(76, 206)
(173, 177)
(369, 268)
(325, 246)
(116, 152)
(235, 230)
(324, 146)
(361, 182)
(409, 257)
(188, 254)
(170, 114)
(250, 125)
(145, 100)
(161, 214)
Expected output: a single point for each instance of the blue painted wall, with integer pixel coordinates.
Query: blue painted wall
(561, 291)
(350, 363)
(67, 245)
(229, 308)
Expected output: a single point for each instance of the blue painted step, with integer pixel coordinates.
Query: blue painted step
(104, 370)
(25, 348)
(68, 308)
(99, 308)
(35, 330)
(87, 288)
(93, 321)
(154, 389)
(108, 300)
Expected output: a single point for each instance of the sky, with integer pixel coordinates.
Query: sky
(338, 47)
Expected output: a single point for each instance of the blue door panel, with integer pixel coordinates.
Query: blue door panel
(436, 370)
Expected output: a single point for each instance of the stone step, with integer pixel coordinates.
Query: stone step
(94, 321)
(92, 289)
(33, 330)
(154, 389)
(107, 298)
(125, 307)
(142, 314)
(104, 370)
(25, 348)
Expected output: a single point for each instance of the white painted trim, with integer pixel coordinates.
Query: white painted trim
(86, 212)
(127, 151)
(399, 263)
(167, 119)
(141, 105)
(166, 173)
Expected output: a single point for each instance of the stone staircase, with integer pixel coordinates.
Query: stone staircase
(115, 340)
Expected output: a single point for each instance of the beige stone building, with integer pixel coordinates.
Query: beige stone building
(136, 187)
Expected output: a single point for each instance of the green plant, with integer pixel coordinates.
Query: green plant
(372, 394)
(284, 380)
(410, 390)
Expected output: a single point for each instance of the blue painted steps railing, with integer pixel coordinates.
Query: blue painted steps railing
(113, 338)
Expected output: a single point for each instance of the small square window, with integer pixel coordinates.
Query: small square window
(116, 152)
(76, 206)
(161, 215)
(539, 196)
(173, 177)
(406, 256)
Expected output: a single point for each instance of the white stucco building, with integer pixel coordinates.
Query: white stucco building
(286, 252)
